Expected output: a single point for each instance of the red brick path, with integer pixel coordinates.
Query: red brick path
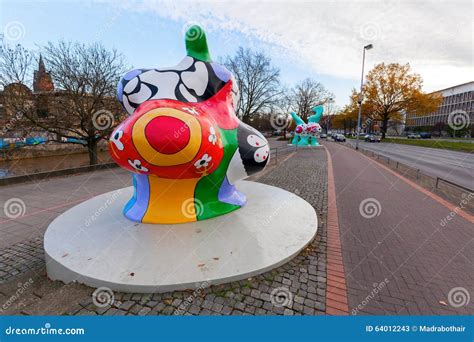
(336, 291)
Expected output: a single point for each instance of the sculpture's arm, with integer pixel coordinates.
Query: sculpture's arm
(318, 114)
(296, 118)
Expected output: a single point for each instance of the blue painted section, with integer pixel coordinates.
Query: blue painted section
(136, 208)
(127, 77)
(228, 193)
(221, 72)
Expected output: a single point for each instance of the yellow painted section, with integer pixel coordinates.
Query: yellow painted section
(156, 158)
(171, 200)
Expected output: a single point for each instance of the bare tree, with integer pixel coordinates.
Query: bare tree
(286, 103)
(15, 65)
(307, 94)
(257, 79)
(83, 108)
(15, 76)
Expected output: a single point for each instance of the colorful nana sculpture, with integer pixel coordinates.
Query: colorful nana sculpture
(305, 134)
(183, 141)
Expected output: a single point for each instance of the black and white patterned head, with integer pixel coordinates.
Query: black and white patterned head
(192, 80)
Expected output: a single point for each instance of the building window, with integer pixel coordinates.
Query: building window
(2, 112)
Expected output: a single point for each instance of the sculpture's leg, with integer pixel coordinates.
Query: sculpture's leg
(295, 139)
(303, 141)
(162, 200)
(314, 141)
(136, 208)
(212, 192)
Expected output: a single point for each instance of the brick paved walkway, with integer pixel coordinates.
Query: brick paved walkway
(400, 256)
(43, 200)
(301, 282)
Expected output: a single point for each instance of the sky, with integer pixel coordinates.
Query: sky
(322, 40)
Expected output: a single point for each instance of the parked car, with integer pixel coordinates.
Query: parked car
(413, 136)
(371, 138)
(323, 136)
(425, 135)
(334, 136)
(340, 137)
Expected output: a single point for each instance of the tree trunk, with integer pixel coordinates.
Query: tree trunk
(92, 149)
(384, 127)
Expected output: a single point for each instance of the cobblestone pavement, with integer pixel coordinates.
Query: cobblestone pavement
(402, 256)
(20, 258)
(300, 285)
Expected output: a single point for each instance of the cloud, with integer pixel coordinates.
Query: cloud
(328, 36)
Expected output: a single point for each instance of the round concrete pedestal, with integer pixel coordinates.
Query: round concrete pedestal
(94, 244)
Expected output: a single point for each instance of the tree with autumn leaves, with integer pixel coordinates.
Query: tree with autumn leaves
(390, 91)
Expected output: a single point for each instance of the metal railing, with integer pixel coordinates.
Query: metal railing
(438, 179)
(418, 171)
(279, 151)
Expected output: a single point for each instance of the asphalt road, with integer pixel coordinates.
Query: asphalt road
(457, 167)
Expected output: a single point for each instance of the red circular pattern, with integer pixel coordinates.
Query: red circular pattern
(167, 134)
(158, 133)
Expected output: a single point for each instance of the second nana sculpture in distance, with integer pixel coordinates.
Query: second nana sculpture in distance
(305, 133)
(183, 141)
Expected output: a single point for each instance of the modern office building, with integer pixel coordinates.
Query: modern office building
(456, 98)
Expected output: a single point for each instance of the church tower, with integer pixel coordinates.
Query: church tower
(42, 79)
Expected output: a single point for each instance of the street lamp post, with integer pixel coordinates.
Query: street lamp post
(361, 96)
(329, 108)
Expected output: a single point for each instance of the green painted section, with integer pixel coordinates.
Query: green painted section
(196, 44)
(207, 189)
